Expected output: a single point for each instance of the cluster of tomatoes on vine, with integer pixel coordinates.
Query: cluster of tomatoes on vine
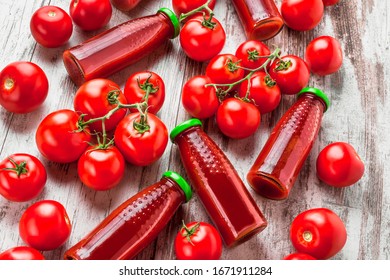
(102, 135)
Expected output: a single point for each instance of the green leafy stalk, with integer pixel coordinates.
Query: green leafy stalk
(223, 89)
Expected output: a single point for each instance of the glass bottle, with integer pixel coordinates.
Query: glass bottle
(222, 192)
(260, 18)
(276, 168)
(135, 223)
(120, 46)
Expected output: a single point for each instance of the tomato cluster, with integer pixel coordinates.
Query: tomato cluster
(247, 84)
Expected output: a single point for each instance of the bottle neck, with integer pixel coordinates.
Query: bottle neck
(172, 22)
(314, 97)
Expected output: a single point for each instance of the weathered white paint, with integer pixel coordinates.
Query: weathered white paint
(359, 95)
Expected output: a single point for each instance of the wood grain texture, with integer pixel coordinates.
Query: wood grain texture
(358, 115)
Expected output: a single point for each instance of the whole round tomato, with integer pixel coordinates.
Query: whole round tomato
(237, 118)
(251, 54)
(139, 83)
(199, 101)
(330, 2)
(318, 232)
(59, 137)
(324, 56)
(298, 256)
(198, 241)
(21, 253)
(101, 169)
(90, 14)
(339, 165)
(185, 6)
(263, 91)
(302, 15)
(141, 148)
(51, 26)
(224, 69)
(290, 73)
(125, 5)
(201, 42)
(23, 87)
(95, 98)
(22, 177)
(45, 225)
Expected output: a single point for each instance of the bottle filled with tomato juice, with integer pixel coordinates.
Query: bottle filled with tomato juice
(120, 46)
(219, 187)
(260, 18)
(135, 223)
(277, 167)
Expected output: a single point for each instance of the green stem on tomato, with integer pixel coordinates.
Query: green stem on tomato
(18, 168)
(227, 87)
(189, 231)
(206, 22)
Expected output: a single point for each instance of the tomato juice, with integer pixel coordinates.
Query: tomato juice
(120, 46)
(276, 168)
(222, 192)
(134, 224)
(260, 18)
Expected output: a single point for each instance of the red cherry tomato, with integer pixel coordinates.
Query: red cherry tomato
(90, 14)
(45, 225)
(298, 256)
(318, 232)
(339, 165)
(59, 137)
(237, 118)
(202, 43)
(330, 2)
(251, 54)
(23, 87)
(199, 101)
(290, 73)
(302, 15)
(185, 6)
(95, 98)
(51, 26)
(125, 5)
(101, 169)
(21, 253)
(198, 241)
(263, 91)
(324, 56)
(139, 83)
(138, 148)
(22, 177)
(224, 69)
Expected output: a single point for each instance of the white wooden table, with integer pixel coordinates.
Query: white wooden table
(359, 115)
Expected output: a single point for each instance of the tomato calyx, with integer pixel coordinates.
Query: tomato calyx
(253, 55)
(269, 81)
(207, 15)
(233, 66)
(223, 89)
(188, 232)
(205, 8)
(19, 168)
(283, 65)
(112, 96)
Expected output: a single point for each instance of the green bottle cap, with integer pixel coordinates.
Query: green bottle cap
(181, 182)
(183, 126)
(318, 93)
(175, 21)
